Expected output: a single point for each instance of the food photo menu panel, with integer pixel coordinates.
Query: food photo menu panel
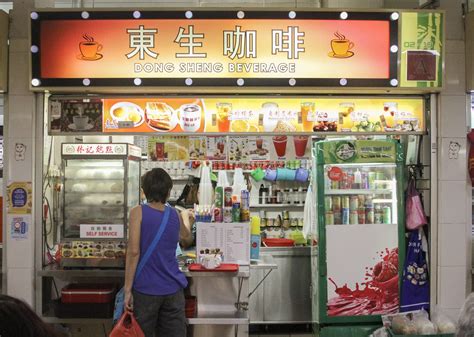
(239, 116)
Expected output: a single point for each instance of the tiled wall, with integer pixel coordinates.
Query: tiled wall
(454, 197)
(19, 128)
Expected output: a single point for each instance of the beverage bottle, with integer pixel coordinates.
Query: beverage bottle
(255, 238)
(357, 180)
(261, 195)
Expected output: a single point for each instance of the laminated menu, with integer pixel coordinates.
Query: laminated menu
(231, 239)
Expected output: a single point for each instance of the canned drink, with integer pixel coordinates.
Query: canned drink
(236, 212)
(345, 216)
(365, 181)
(218, 214)
(227, 214)
(346, 201)
(387, 215)
(228, 197)
(369, 215)
(379, 176)
(361, 214)
(329, 218)
(372, 176)
(378, 215)
(350, 179)
(219, 197)
(354, 217)
(361, 200)
(354, 203)
(337, 218)
(328, 203)
(336, 204)
(369, 203)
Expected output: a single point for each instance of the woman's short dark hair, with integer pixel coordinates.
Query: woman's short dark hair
(156, 185)
(19, 320)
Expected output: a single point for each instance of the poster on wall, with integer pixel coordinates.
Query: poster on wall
(19, 197)
(238, 148)
(214, 48)
(368, 284)
(259, 148)
(168, 148)
(197, 148)
(19, 227)
(216, 148)
(75, 115)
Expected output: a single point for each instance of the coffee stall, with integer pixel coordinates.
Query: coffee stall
(238, 108)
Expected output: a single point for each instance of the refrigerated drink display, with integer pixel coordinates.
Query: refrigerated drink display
(360, 228)
(368, 190)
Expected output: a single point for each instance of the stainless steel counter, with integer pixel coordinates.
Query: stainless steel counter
(284, 297)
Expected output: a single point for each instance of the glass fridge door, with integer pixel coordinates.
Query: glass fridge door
(361, 239)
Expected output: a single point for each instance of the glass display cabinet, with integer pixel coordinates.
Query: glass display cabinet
(101, 183)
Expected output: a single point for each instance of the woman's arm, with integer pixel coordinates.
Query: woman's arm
(133, 253)
(186, 219)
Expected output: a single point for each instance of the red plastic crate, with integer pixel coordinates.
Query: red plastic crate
(88, 293)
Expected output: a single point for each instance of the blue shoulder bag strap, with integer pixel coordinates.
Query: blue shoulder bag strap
(151, 248)
(119, 299)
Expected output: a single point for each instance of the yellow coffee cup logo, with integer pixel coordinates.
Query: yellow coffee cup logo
(341, 47)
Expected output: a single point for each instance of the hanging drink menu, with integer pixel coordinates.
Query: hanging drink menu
(246, 115)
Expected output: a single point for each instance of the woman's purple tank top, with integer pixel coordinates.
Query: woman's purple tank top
(161, 274)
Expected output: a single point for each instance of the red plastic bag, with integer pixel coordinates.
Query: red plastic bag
(415, 214)
(127, 326)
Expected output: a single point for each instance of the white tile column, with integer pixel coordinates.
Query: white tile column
(454, 191)
(20, 111)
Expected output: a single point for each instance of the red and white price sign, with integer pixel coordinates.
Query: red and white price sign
(335, 173)
(95, 231)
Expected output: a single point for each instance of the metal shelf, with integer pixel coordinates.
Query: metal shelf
(57, 320)
(285, 206)
(55, 271)
(356, 192)
(101, 192)
(219, 318)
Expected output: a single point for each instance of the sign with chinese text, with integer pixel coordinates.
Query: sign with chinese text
(100, 231)
(250, 115)
(100, 149)
(167, 49)
(422, 49)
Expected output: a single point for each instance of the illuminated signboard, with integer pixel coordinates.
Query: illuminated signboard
(236, 115)
(218, 48)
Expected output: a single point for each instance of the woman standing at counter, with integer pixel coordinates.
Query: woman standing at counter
(156, 295)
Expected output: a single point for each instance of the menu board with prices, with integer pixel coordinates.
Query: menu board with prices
(231, 239)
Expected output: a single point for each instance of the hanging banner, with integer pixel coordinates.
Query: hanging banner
(422, 49)
(214, 48)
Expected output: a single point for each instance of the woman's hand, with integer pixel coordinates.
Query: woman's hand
(128, 301)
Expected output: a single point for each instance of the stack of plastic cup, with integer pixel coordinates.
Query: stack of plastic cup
(205, 187)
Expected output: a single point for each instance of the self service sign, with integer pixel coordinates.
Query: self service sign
(214, 48)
